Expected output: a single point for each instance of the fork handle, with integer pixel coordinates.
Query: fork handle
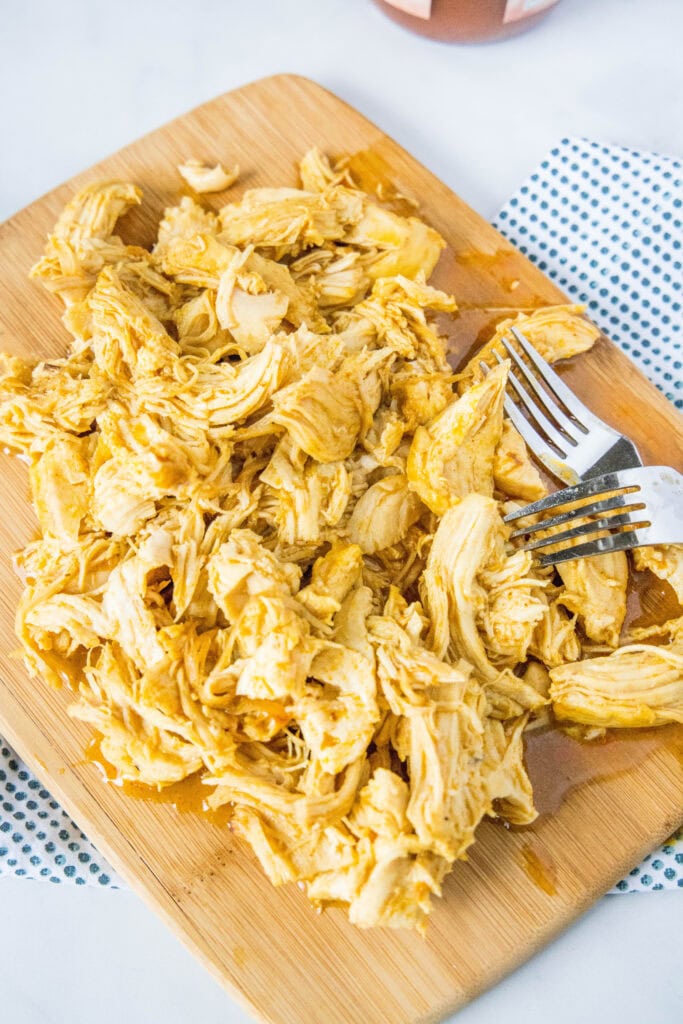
(623, 455)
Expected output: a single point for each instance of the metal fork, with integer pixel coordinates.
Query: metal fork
(630, 509)
(562, 433)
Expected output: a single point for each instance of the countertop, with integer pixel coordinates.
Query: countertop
(81, 78)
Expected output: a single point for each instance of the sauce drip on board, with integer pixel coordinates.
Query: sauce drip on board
(540, 867)
(557, 764)
(187, 797)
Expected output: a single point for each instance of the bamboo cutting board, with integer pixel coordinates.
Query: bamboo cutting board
(603, 806)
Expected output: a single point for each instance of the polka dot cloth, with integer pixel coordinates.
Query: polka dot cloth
(605, 224)
(37, 838)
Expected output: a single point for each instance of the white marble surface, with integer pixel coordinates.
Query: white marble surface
(79, 80)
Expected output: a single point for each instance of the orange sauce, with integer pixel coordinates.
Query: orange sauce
(497, 271)
(489, 289)
(540, 867)
(187, 797)
(557, 764)
(649, 600)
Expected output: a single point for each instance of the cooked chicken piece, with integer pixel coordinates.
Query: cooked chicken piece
(306, 809)
(247, 307)
(216, 395)
(127, 340)
(197, 323)
(301, 304)
(420, 396)
(537, 676)
(665, 561)
(508, 784)
(453, 741)
(350, 622)
(383, 515)
(515, 606)
(509, 696)
(203, 178)
(557, 332)
(94, 211)
(308, 496)
(317, 173)
(338, 711)
(336, 276)
(453, 455)
(490, 629)
(61, 486)
(395, 311)
(287, 220)
(395, 245)
(332, 578)
(322, 413)
(555, 641)
(242, 568)
(275, 647)
(185, 221)
(595, 590)
(131, 617)
(440, 710)
(638, 685)
(82, 242)
(513, 471)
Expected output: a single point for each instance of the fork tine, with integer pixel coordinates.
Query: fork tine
(586, 489)
(567, 425)
(595, 508)
(586, 529)
(534, 440)
(642, 504)
(602, 546)
(560, 442)
(576, 409)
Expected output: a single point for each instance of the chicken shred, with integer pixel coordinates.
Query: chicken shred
(204, 178)
(637, 685)
(272, 552)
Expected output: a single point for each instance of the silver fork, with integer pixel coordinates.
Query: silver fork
(570, 440)
(629, 509)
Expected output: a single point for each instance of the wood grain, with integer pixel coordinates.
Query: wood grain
(610, 804)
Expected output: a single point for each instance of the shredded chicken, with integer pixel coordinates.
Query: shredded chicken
(635, 686)
(665, 561)
(247, 468)
(595, 590)
(204, 178)
(558, 332)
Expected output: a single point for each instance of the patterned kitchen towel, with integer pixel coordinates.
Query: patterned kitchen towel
(605, 224)
(37, 838)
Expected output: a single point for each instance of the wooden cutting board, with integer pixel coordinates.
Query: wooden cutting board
(604, 806)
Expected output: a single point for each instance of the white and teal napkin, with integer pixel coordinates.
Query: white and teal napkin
(605, 223)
